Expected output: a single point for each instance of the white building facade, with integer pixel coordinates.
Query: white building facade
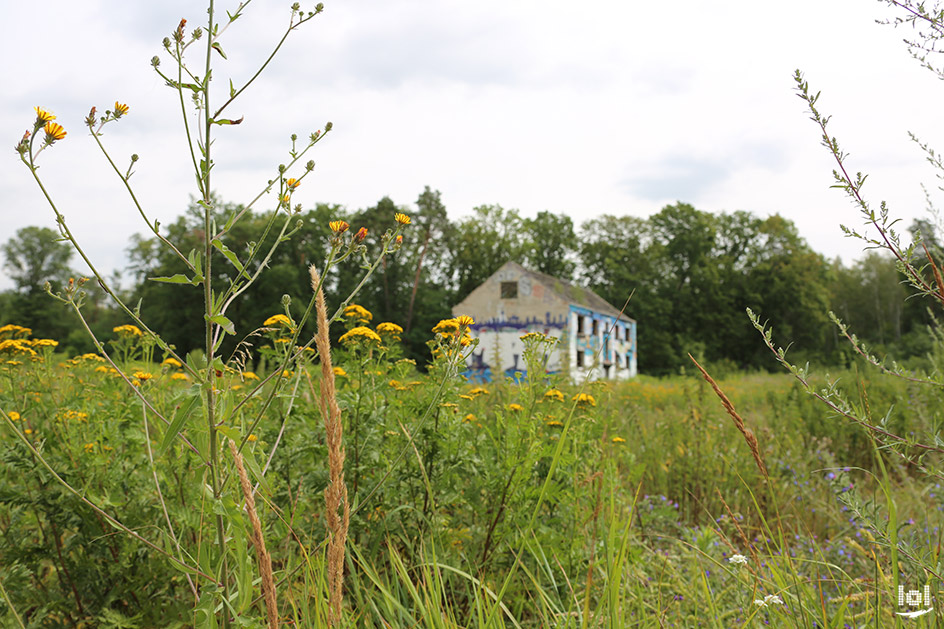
(595, 342)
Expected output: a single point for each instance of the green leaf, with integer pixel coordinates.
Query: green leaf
(227, 121)
(224, 323)
(176, 424)
(231, 256)
(216, 46)
(180, 278)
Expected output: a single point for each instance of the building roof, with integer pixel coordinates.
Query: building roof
(576, 295)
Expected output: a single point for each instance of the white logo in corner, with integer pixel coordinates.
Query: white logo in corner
(914, 598)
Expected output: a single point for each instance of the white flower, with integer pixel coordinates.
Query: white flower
(769, 599)
(740, 560)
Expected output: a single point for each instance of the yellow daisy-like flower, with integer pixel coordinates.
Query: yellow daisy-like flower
(179, 376)
(468, 419)
(554, 424)
(478, 391)
(338, 227)
(248, 375)
(54, 131)
(359, 312)
(401, 218)
(120, 109)
(28, 431)
(358, 333)
(287, 373)
(279, 319)
(13, 415)
(127, 330)
(102, 369)
(252, 438)
(554, 394)
(584, 399)
(515, 408)
(172, 362)
(464, 320)
(143, 376)
(463, 396)
(43, 116)
(292, 183)
(389, 328)
(339, 372)
(618, 440)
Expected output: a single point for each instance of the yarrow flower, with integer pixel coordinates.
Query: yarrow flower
(770, 599)
(120, 109)
(338, 227)
(401, 218)
(54, 131)
(739, 560)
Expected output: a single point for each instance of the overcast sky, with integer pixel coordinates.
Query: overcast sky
(583, 108)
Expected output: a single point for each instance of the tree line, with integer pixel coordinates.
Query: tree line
(690, 274)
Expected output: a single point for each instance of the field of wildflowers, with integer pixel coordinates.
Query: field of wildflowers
(533, 504)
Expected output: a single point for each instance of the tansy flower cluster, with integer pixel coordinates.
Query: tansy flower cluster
(584, 399)
(13, 331)
(359, 334)
(363, 315)
(389, 329)
(127, 331)
(279, 319)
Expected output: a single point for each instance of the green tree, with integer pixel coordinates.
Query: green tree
(550, 244)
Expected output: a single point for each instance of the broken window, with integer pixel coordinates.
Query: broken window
(509, 290)
(580, 358)
(580, 324)
(596, 327)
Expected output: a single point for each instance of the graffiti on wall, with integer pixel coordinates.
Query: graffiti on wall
(515, 322)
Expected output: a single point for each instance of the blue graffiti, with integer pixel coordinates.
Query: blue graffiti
(516, 323)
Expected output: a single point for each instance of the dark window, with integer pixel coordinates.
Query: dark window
(628, 335)
(580, 358)
(596, 327)
(509, 290)
(580, 324)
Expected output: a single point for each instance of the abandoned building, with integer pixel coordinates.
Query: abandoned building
(595, 340)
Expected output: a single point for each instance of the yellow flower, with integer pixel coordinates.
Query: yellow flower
(554, 424)
(554, 394)
(44, 343)
(54, 131)
(143, 376)
(28, 431)
(515, 408)
(463, 396)
(236, 387)
(43, 116)
(338, 227)
(468, 419)
(339, 372)
(248, 375)
(292, 183)
(450, 406)
(389, 328)
(89, 448)
(252, 438)
(102, 369)
(279, 319)
(618, 440)
(360, 332)
(120, 109)
(172, 362)
(478, 391)
(179, 376)
(96, 357)
(127, 330)
(13, 415)
(446, 326)
(584, 399)
(464, 320)
(361, 313)
(401, 218)
(283, 340)
(288, 374)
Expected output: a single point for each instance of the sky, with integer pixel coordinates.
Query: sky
(589, 108)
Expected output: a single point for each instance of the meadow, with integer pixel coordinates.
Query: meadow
(542, 504)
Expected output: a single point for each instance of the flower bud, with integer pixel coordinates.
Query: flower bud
(281, 168)
(286, 300)
(329, 126)
(134, 157)
(319, 7)
(361, 234)
(155, 61)
(166, 43)
(90, 120)
(310, 166)
(198, 33)
(294, 137)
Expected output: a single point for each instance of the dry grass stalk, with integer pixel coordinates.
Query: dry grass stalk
(336, 493)
(258, 542)
(937, 275)
(738, 422)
